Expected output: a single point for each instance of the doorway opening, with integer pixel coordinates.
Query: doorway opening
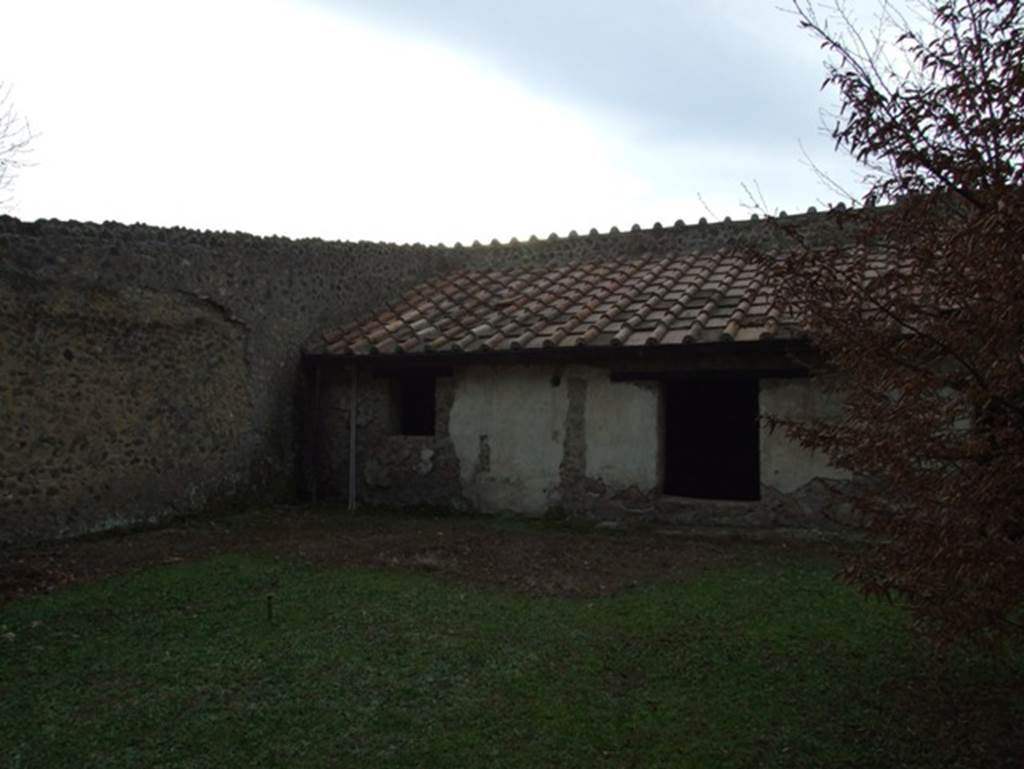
(712, 439)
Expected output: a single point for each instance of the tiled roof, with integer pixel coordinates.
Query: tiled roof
(663, 299)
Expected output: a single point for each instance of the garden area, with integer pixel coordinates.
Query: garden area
(310, 638)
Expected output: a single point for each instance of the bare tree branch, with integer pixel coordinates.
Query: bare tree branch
(922, 311)
(15, 138)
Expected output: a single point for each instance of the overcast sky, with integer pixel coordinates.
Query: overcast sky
(414, 120)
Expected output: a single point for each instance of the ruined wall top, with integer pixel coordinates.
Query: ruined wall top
(775, 232)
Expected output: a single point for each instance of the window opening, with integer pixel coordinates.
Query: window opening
(416, 404)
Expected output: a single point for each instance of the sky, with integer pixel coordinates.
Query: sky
(415, 120)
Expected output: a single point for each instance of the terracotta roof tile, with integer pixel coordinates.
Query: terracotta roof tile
(669, 299)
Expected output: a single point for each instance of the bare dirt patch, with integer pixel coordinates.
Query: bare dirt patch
(531, 557)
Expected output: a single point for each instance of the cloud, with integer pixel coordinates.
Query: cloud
(693, 71)
(402, 121)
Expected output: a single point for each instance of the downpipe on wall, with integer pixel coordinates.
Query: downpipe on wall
(352, 415)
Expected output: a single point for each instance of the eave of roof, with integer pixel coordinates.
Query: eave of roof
(766, 353)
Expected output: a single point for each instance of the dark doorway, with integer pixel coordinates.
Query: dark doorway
(712, 446)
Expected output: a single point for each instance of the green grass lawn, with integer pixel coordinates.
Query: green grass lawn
(755, 666)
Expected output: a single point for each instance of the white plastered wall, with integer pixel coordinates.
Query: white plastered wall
(785, 464)
(508, 425)
(622, 433)
(520, 416)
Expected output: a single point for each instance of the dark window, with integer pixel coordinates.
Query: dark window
(415, 400)
(712, 440)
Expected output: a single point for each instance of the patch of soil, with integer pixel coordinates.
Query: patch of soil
(530, 557)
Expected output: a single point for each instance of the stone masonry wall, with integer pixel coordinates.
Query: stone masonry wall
(394, 470)
(102, 411)
(148, 371)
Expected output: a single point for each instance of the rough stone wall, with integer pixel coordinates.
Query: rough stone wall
(391, 469)
(537, 439)
(101, 412)
(148, 371)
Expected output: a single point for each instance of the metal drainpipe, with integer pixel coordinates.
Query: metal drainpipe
(314, 431)
(353, 411)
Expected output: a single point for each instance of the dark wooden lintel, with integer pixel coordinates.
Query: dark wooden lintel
(421, 368)
(704, 374)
